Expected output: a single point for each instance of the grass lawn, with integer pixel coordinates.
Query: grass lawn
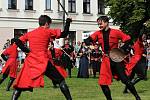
(81, 89)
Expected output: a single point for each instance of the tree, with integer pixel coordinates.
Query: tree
(133, 16)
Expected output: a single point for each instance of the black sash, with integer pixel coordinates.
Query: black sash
(106, 40)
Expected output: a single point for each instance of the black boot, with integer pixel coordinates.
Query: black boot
(65, 90)
(106, 92)
(3, 78)
(54, 84)
(125, 90)
(135, 80)
(132, 89)
(10, 83)
(16, 94)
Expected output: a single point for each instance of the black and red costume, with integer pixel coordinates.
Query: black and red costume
(10, 55)
(108, 38)
(96, 55)
(37, 63)
(137, 63)
(69, 60)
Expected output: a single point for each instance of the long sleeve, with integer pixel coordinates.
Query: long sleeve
(4, 57)
(88, 40)
(127, 46)
(21, 45)
(66, 28)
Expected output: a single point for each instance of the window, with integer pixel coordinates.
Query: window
(28, 4)
(86, 6)
(72, 6)
(48, 4)
(20, 32)
(100, 6)
(12, 4)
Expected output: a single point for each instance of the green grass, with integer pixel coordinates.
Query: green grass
(81, 89)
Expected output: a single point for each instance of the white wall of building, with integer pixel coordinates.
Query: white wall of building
(23, 19)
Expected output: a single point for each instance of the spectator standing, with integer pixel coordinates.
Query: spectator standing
(148, 56)
(84, 62)
(56, 44)
(77, 47)
(21, 57)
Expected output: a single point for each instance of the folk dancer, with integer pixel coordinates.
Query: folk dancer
(37, 63)
(68, 56)
(108, 38)
(10, 55)
(137, 62)
(96, 55)
(55, 57)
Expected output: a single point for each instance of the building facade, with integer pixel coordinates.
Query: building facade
(20, 16)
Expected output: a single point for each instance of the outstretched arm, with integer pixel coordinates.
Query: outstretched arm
(4, 57)
(21, 45)
(66, 28)
(88, 40)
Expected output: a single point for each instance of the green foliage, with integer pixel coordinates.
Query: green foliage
(131, 15)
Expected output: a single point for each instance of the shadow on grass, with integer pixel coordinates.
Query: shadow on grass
(142, 91)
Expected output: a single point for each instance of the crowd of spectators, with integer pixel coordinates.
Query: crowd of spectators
(82, 54)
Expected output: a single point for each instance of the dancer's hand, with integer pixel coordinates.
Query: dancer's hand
(69, 19)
